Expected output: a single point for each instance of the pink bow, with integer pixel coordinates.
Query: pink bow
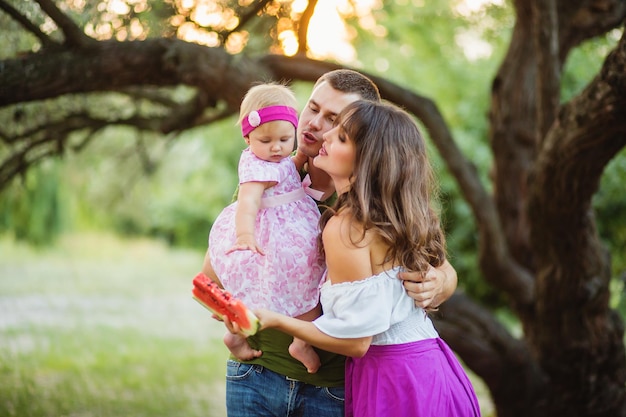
(315, 194)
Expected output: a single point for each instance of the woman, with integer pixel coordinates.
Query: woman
(382, 223)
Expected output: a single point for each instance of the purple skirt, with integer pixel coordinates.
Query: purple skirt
(422, 379)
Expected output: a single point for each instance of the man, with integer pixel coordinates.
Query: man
(275, 383)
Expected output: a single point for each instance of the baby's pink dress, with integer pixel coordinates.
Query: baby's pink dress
(287, 278)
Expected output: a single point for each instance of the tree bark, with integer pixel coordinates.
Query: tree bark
(113, 66)
(563, 253)
(575, 322)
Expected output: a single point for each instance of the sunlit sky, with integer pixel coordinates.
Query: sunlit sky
(328, 36)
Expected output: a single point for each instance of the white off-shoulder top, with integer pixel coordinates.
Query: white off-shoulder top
(377, 306)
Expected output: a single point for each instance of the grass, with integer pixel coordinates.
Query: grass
(100, 327)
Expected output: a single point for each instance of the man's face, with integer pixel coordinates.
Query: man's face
(318, 116)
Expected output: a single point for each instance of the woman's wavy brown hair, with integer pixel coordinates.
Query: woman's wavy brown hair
(393, 186)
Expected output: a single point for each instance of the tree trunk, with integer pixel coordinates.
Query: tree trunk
(575, 324)
(573, 336)
(543, 189)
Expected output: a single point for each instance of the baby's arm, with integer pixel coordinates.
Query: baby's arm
(249, 202)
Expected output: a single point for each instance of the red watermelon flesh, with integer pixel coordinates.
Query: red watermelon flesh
(221, 303)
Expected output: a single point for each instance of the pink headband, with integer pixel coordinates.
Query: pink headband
(268, 114)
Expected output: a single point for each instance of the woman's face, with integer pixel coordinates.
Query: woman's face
(337, 157)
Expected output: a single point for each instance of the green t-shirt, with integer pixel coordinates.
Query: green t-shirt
(276, 357)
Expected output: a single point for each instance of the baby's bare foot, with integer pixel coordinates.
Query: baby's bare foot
(239, 347)
(305, 354)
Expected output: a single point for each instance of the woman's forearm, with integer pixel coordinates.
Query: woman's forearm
(307, 331)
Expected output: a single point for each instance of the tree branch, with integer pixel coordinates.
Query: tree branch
(52, 139)
(244, 18)
(185, 114)
(74, 36)
(546, 40)
(303, 27)
(587, 19)
(45, 40)
(151, 95)
(114, 66)
(45, 141)
(490, 350)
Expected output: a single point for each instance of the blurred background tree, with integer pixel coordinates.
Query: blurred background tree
(119, 114)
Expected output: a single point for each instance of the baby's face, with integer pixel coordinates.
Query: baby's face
(272, 141)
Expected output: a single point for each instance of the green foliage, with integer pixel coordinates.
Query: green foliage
(13, 39)
(584, 63)
(610, 207)
(192, 187)
(170, 189)
(32, 209)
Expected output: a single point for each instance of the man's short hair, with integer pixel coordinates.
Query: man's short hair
(349, 81)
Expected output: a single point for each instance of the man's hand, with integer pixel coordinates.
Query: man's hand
(232, 327)
(430, 289)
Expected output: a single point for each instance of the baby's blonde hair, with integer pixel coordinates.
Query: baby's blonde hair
(264, 95)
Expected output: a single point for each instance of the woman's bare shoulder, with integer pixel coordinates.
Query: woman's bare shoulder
(347, 255)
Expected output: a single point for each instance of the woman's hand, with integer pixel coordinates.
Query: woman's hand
(268, 318)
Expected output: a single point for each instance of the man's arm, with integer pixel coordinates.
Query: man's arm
(431, 289)
(207, 269)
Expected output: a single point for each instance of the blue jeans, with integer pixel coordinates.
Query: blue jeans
(255, 391)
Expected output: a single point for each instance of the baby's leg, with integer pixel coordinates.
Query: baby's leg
(304, 352)
(301, 350)
(239, 347)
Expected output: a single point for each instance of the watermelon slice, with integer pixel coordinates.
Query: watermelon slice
(221, 303)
